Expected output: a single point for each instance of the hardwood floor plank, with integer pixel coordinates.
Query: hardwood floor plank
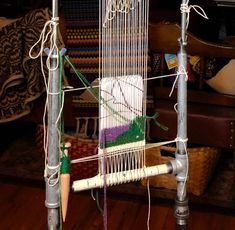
(22, 208)
(161, 215)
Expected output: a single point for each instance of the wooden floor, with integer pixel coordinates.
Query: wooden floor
(22, 208)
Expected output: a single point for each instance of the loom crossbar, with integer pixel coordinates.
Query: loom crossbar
(120, 177)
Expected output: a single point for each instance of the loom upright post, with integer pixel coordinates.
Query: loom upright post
(52, 201)
(181, 203)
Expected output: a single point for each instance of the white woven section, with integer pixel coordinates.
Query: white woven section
(121, 100)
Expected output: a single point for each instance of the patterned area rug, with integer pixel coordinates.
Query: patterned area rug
(22, 155)
(22, 160)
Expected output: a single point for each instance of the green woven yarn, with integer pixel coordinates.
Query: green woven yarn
(133, 134)
(65, 165)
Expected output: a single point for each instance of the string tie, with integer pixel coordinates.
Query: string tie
(55, 19)
(184, 8)
(181, 71)
(180, 139)
(120, 7)
(51, 180)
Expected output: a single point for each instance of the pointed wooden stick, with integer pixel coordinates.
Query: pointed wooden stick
(65, 182)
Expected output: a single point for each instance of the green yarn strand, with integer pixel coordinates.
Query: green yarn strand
(65, 165)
